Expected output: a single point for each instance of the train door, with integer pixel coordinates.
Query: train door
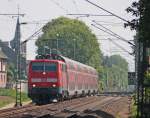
(65, 79)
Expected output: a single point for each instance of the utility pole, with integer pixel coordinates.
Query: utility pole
(16, 45)
(18, 89)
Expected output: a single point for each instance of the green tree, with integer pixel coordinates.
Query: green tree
(141, 11)
(115, 74)
(141, 22)
(73, 39)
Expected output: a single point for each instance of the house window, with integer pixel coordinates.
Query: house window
(3, 66)
(1, 78)
(0, 65)
(4, 79)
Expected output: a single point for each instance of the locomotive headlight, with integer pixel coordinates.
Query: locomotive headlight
(34, 85)
(54, 85)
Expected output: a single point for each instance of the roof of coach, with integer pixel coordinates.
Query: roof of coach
(46, 60)
(60, 58)
(68, 61)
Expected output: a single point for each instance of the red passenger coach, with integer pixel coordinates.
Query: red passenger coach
(54, 77)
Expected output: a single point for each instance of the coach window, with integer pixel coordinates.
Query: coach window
(79, 69)
(1, 77)
(61, 67)
(64, 68)
(71, 66)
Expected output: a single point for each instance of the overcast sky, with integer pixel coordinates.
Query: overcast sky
(39, 12)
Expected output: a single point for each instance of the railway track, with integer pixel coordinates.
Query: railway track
(115, 107)
(8, 113)
(15, 108)
(65, 109)
(33, 110)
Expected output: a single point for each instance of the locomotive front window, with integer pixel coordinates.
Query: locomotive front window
(50, 67)
(42, 66)
(37, 66)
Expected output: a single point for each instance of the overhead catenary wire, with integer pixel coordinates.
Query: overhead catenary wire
(119, 46)
(33, 35)
(104, 39)
(122, 48)
(112, 25)
(12, 14)
(37, 32)
(37, 21)
(108, 22)
(104, 31)
(113, 34)
(108, 11)
(88, 15)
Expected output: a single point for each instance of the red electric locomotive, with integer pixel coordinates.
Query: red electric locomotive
(54, 77)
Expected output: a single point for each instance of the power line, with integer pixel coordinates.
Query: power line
(36, 33)
(112, 33)
(12, 15)
(33, 35)
(109, 22)
(108, 11)
(107, 39)
(120, 46)
(113, 25)
(88, 15)
(36, 22)
(102, 29)
(105, 31)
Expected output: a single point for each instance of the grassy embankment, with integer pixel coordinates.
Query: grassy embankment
(8, 96)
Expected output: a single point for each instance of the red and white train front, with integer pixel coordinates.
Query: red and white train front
(43, 82)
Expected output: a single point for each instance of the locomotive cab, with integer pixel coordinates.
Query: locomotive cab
(44, 84)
